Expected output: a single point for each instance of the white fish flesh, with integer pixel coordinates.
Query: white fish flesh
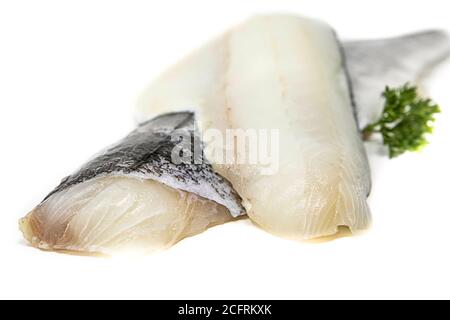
(131, 197)
(284, 73)
(272, 72)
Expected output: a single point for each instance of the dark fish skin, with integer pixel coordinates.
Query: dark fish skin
(147, 153)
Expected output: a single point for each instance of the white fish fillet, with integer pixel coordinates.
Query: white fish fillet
(114, 215)
(285, 73)
(131, 197)
(271, 72)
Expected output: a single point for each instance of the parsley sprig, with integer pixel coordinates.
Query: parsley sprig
(405, 122)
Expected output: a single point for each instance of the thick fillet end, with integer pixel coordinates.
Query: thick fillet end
(118, 215)
(317, 210)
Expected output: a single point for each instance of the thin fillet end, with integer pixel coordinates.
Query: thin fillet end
(375, 64)
(407, 58)
(110, 216)
(438, 42)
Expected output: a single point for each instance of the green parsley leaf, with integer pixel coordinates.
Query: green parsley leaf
(405, 121)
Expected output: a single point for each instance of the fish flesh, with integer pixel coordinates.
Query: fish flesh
(277, 72)
(113, 215)
(257, 77)
(132, 197)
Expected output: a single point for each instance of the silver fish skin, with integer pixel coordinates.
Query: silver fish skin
(284, 73)
(132, 197)
(146, 153)
(374, 64)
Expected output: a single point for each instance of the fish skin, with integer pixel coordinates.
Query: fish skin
(133, 197)
(146, 153)
(363, 68)
(374, 64)
(257, 77)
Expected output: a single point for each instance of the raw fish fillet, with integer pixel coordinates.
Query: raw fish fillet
(131, 197)
(271, 72)
(114, 215)
(284, 73)
(292, 74)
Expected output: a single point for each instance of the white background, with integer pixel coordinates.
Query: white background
(70, 72)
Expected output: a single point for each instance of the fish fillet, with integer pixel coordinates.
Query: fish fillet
(114, 215)
(272, 72)
(284, 73)
(132, 197)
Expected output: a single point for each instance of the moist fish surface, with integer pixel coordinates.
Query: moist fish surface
(283, 73)
(134, 197)
(272, 72)
(292, 74)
